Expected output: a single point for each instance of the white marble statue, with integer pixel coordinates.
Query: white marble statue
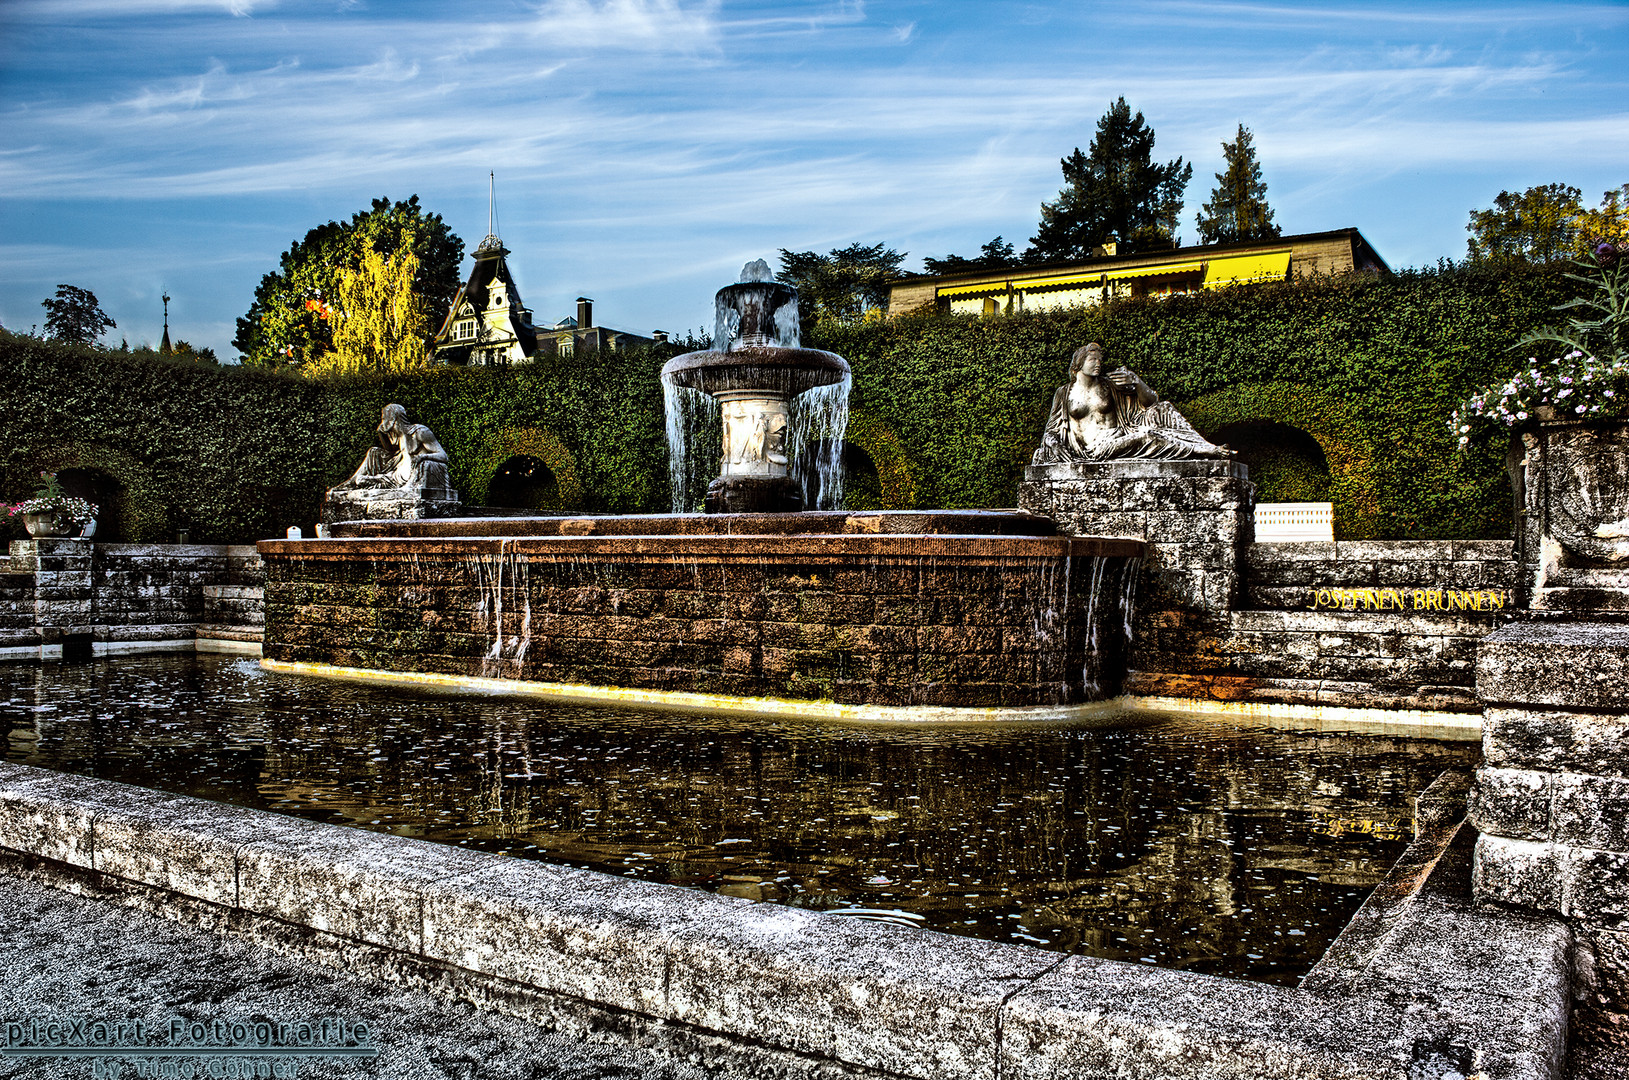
(1098, 417)
(407, 463)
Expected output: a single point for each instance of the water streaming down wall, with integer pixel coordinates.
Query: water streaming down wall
(817, 424)
(693, 436)
(503, 580)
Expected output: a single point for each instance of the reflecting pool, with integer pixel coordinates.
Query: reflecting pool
(1168, 839)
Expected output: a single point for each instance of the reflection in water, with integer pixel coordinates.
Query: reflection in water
(1181, 842)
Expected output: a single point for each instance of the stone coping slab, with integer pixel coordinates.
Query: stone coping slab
(910, 522)
(1425, 997)
(753, 548)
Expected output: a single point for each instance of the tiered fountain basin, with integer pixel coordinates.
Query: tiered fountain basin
(966, 613)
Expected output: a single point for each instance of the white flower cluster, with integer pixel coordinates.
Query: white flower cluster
(1575, 383)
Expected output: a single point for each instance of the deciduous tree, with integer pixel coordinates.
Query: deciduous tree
(1540, 224)
(843, 285)
(1610, 221)
(291, 319)
(1238, 208)
(379, 322)
(994, 255)
(74, 315)
(1114, 194)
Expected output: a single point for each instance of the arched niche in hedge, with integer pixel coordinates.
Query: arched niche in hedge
(138, 504)
(500, 447)
(524, 482)
(1346, 448)
(896, 476)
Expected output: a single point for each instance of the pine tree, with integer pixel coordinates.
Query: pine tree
(1238, 207)
(1115, 194)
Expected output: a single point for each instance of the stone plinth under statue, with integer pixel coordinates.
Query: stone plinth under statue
(1115, 460)
(402, 477)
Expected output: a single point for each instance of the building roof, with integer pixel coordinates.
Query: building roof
(490, 266)
(1219, 264)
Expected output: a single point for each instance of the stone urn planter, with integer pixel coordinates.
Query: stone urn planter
(1586, 474)
(49, 523)
(1575, 535)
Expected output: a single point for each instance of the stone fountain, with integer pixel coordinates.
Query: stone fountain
(755, 370)
(918, 614)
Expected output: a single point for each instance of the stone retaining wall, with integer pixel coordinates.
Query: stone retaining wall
(865, 619)
(107, 595)
(1552, 799)
(1349, 624)
(1426, 986)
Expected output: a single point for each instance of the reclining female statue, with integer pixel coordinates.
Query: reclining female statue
(408, 462)
(1098, 417)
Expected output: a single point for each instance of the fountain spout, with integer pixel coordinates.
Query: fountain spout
(755, 370)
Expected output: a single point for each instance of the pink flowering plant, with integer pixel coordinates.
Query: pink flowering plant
(1589, 379)
(50, 498)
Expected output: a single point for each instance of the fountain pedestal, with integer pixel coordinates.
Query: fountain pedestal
(755, 475)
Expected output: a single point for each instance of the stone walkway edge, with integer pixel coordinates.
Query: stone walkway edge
(1421, 983)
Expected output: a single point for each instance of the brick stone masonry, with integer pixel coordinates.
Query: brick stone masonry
(879, 619)
(1552, 797)
(57, 590)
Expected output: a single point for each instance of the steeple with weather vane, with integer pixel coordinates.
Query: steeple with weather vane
(487, 324)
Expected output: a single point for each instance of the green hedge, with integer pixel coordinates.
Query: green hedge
(1370, 368)
(948, 407)
(237, 454)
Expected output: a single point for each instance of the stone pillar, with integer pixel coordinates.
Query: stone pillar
(1197, 518)
(1572, 540)
(1552, 797)
(62, 586)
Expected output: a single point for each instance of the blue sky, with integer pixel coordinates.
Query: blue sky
(646, 149)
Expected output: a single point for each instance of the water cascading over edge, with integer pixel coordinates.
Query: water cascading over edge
(783, 409)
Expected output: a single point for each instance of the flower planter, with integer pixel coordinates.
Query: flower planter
(49, 523)
(1585, 487)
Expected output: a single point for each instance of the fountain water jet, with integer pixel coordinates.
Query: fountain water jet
(784, 408)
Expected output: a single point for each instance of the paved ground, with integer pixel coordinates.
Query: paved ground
(66, 955)
(62, 954)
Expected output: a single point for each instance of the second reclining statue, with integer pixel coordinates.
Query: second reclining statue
(1098, 417)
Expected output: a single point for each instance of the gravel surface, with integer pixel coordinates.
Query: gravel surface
(67, 955)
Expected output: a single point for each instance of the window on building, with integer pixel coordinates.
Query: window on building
(464, 330)
(566, 347)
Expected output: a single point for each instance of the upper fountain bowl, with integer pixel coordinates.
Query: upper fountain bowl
(771, 368)
(756, 343)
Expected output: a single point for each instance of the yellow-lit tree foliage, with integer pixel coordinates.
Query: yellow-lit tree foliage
(380, 322)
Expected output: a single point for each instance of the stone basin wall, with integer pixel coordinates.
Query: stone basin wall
(127, 596)
(865, 619)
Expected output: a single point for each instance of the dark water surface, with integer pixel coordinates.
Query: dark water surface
(1174, 840)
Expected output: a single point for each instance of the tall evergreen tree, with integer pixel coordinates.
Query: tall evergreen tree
(1114, 194)
(1238, 207)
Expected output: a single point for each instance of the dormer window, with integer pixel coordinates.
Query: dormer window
(464, 330)
(497, 298)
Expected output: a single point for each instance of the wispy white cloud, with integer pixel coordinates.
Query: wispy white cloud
(649, 146)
